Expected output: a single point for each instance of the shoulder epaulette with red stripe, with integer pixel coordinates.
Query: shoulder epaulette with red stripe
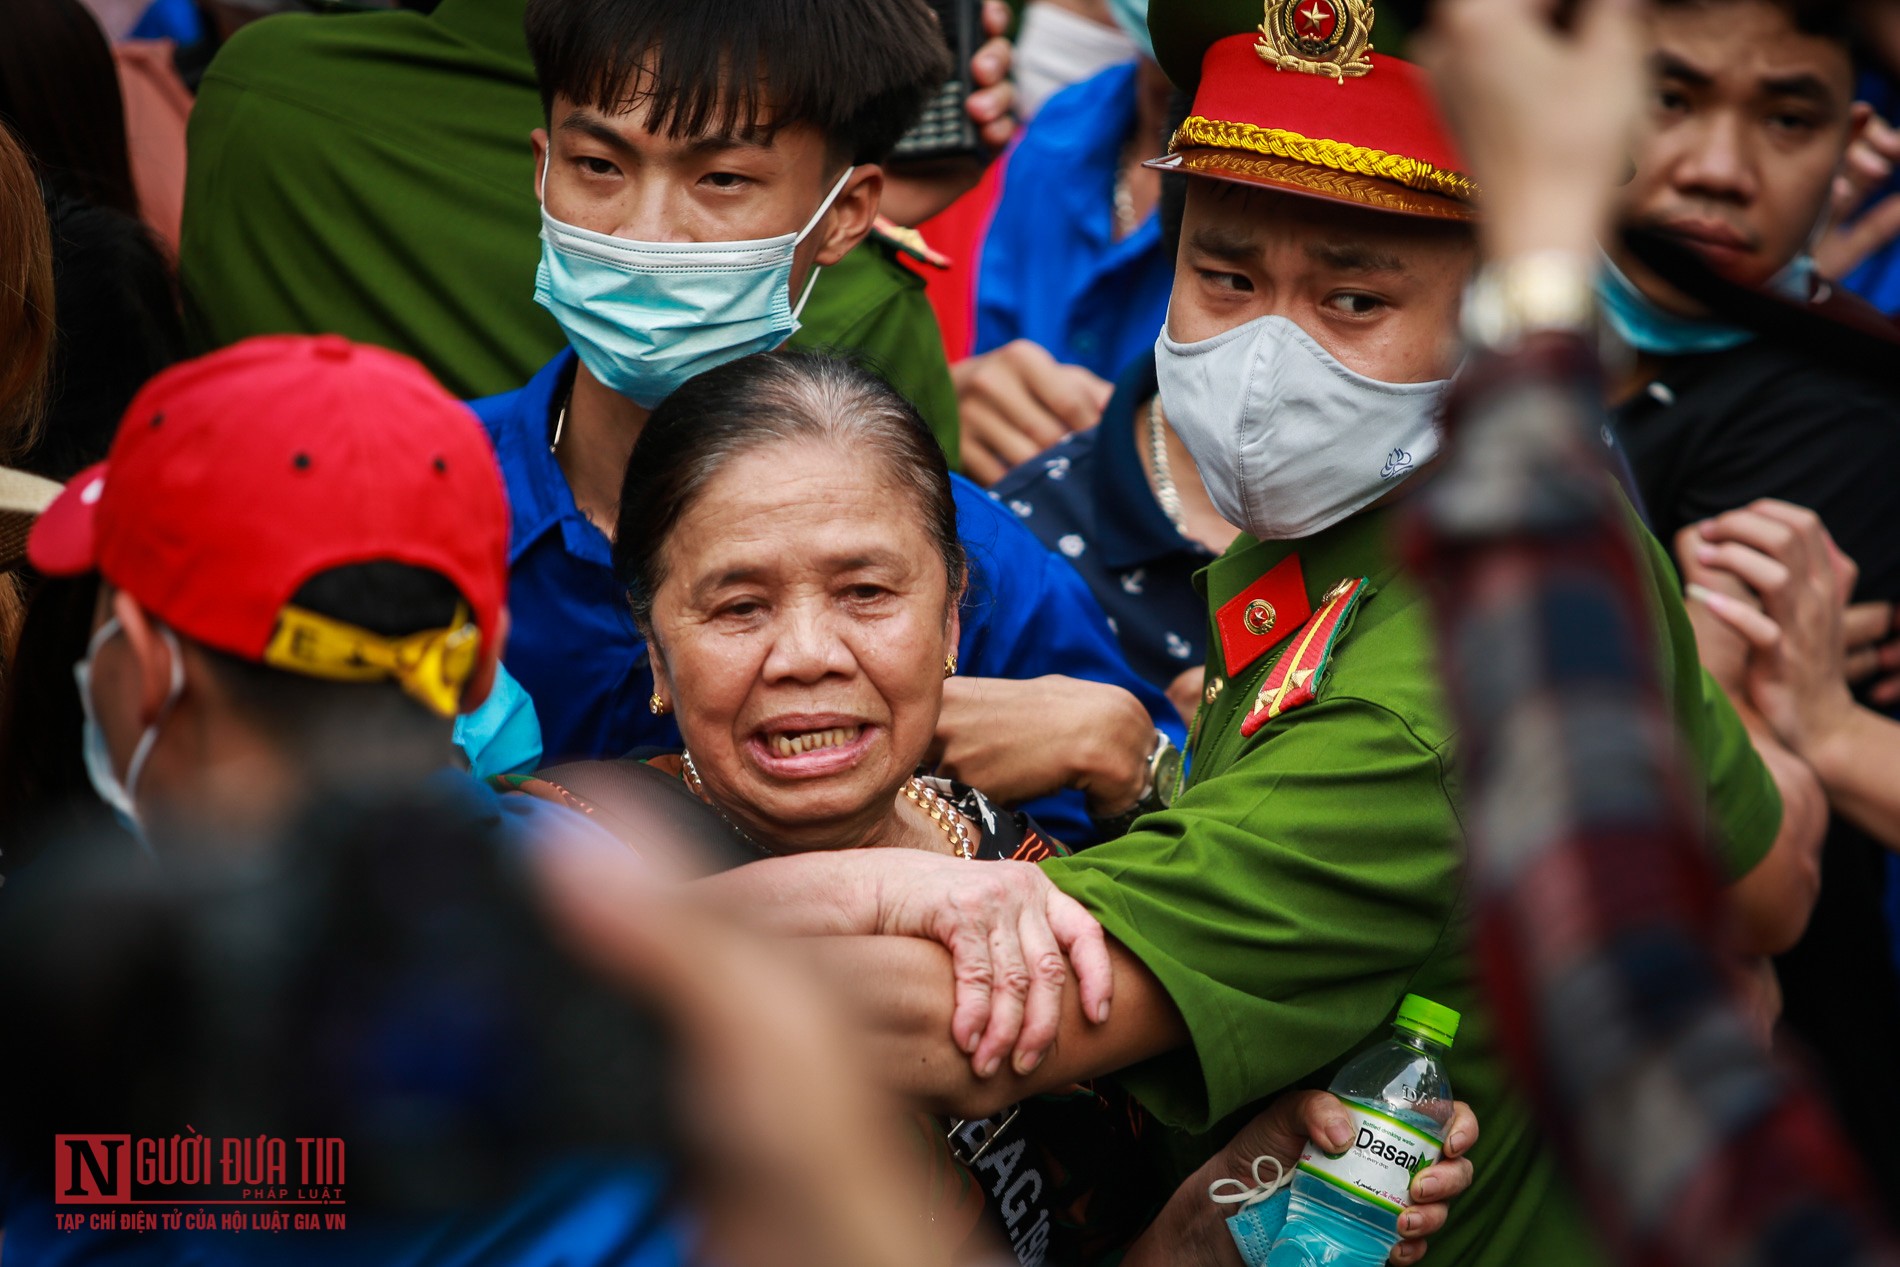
(908, 242)
(1295, 679)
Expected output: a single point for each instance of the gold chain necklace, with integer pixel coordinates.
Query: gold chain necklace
(920, 794)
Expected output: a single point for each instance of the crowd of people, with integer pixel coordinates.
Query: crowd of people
(538, 538)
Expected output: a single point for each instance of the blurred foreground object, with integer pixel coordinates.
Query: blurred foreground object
(1598, 904)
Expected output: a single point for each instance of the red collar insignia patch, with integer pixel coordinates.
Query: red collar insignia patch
(1260, 617)
(1295, 679)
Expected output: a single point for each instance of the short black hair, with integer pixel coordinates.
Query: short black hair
(858, 70)
(119, 323)
(766, 398)
(1829, 20)
(294, 710)
(59, 90)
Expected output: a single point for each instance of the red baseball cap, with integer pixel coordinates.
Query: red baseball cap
(237, 477)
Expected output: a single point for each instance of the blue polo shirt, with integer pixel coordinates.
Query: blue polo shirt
(1088, 498)
(1051, 270)
(574, 647)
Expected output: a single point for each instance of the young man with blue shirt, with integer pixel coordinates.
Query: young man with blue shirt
(684, 217)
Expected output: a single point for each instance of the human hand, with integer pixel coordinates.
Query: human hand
(1191, 1230)
(1722, 650)
(1545, 116)
(1017, 739)
(1187, 690)
(1017, 401)
(1868, 166)
(1873, 647)
(1796, 676)
(992, 107)
(1012, 936)
(913, 194)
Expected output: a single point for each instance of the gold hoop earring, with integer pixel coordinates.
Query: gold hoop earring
(950, 665)
(657, 706)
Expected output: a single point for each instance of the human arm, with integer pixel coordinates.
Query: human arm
(901, 988)
(1772, 901)
(1191, 1229)
(1011, 935)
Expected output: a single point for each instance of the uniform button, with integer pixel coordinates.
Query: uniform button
(1213, 690)
(1259, 617)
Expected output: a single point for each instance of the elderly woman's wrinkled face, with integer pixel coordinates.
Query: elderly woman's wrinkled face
(801, 633)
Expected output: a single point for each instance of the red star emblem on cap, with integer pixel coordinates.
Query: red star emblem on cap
(1316, 20)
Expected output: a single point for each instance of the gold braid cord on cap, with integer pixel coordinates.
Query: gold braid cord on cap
(1413, 173)
(1317, 37)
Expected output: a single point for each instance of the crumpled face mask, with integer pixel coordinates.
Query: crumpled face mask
(1256, 1225)
(1646, 327)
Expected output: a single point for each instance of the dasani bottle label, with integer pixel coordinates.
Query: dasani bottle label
(1379, 1166)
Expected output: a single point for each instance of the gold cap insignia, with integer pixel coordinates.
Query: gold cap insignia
(1317, 37)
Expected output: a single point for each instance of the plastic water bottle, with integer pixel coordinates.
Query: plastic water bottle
(1345, 1209)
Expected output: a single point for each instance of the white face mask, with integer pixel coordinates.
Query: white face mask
(118, 795)
(1289, 441)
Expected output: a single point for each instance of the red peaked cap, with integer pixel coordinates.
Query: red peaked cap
(237, 477)
(1375, 139)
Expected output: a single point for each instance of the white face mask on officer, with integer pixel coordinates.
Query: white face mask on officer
(1288, 440)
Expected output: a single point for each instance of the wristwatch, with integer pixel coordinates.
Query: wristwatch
(1158, 791)
(1544, 291)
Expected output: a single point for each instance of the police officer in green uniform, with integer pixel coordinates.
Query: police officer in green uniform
(1265, 920)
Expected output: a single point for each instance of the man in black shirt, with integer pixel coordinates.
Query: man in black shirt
(1752, 115)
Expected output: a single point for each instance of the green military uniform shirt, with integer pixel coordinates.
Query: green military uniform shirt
(1310, 875)
(370, 175)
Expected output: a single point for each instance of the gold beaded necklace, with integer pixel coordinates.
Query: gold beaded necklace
(919, 793)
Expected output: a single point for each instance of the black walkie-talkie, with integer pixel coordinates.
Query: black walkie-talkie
(945, 130)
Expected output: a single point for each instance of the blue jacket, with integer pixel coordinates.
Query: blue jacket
(1051, 270)
(574, 647)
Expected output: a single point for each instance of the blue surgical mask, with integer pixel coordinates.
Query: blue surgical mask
(1645, 327)
(645, 317)
(118, 794)
(1263, 1207)
(1132, 17)
(503, 736)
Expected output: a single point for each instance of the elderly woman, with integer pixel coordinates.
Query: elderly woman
(789, 544)
(791, 552)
